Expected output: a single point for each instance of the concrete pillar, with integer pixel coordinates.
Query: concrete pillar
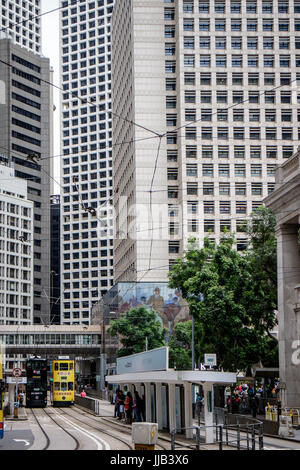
(188, 409)
(148, 402)
(288, 268)
(11, 398)
(172, 407)
(208, 415)
(158, 399)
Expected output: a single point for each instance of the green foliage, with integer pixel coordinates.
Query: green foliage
(236, 313)
(134, 326)
(180, 346)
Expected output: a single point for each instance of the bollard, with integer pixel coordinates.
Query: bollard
(16, 409)
(144, 435)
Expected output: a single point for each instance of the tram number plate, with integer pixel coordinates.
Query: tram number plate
(144, 447)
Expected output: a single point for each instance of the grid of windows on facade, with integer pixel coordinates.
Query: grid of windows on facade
(240, 103)
(15, 261)
(20, 20)
(87, 250)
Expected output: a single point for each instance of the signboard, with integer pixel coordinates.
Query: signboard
(210, 359)
(156, 359)
(16, 380)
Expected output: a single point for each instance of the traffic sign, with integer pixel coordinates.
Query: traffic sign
(210, 359)
(16, 380)
(17, 372)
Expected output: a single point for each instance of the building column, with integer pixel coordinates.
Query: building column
(172, 407)
(188, 409)
(148, 402)
(288, 269)
(158, 400)
(208, 414)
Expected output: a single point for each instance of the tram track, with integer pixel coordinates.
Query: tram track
(99, 429)
(48, 439)
(116, 427)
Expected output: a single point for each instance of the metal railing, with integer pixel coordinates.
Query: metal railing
(247, 436)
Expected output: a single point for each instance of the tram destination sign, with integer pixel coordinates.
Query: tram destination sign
(155, 359)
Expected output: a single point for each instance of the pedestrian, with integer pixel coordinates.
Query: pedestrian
(228, 403)
(254, 405)
(137, 402)
(235, 403)
(128, 408)
(143, 414)
(121, 405)
(83, 394)
(22, 396)
(117, 404)
(199, 405)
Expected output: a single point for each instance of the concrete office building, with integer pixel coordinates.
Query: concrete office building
(25, 131)
(16, 254)
(86, 165)
(219, 80)
(20, 22)
(55, 260)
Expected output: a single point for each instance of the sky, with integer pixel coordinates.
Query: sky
(50, 49)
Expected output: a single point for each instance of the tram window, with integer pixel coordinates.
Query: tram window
(1, 401)
(64, 386)
(56, 386)
(63, 366)
(56, 366)
(70, 387)
(71, 366)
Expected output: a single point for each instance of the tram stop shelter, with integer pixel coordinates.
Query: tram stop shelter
(168, 392)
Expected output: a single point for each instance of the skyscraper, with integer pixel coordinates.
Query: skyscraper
(86, 165)
(25, 142)
(20, 22)
(16, 250)
(218, 79)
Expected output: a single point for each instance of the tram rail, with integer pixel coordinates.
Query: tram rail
(63, 411)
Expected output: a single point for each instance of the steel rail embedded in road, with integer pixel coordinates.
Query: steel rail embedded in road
(103, 431)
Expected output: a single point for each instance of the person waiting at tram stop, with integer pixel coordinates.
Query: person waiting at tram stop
(137, 407)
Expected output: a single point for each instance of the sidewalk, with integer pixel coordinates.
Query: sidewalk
(109, 407)
(22, 415)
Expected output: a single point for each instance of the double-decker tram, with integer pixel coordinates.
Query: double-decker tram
(36, 388)
(63, 385)
(2, 387)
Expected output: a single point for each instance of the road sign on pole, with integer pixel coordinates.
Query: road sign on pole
(210, 359)
(17, 372)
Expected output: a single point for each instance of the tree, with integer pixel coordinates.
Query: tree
(180, 355)
(134, 327)
(180, 345)
(229, 313)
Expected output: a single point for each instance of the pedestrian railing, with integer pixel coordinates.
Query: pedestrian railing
(246, 436)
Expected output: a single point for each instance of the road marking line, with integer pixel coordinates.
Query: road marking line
(88, 433)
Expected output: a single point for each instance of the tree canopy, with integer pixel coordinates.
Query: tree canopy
(232, 295)
(134, 326)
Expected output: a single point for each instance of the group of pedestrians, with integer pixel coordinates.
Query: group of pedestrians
(128, 407)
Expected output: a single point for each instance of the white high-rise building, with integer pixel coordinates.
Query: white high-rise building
(20, 21)
(16, 250)
(86, 165)
(218, 79)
